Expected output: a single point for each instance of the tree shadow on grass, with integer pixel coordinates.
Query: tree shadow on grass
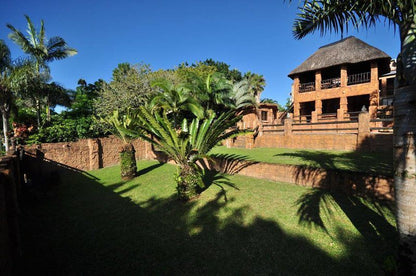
(368, 215)
(376, 163)
(87, 228)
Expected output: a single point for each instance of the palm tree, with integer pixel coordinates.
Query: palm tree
(256, 84)
(176, 100)
(41, 49)
(5, 91)
(187, 145)
(13, 76)
(334, 15)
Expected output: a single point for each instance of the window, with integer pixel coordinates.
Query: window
(264, 115)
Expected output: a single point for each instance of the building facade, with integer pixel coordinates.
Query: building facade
(340, 80)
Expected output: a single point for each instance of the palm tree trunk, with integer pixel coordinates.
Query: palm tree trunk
(128, 166)
(187, 180)
(405, 176)
(5, 119)
(404, 147)
(38, 112)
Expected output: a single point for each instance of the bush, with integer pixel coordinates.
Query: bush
(66, 130)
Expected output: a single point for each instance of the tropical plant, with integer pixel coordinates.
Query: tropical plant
(186, 145)
(42, 50)
(256, 84)
(124, 128)
(334, 15)
(13, 76)
(242, 95)
(176, 100)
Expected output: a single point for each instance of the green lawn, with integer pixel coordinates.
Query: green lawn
(96, 224)
(373, 162)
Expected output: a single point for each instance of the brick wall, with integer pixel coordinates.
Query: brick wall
(89, 154)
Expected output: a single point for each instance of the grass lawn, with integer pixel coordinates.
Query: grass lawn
(96, 224)
(374, 162)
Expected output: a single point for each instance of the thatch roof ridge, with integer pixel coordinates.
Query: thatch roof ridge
(346, 51)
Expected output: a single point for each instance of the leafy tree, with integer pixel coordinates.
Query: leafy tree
(129, 88)
(175, 100)
(332, 15)
(42, 50)
(233, 75)
(187, 145)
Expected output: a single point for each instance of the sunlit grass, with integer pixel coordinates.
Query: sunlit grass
(98, 224)
(372, 162)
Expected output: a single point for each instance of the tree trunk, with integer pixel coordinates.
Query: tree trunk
(187, 180)
(404, 148)
(128, 166)
(5, 117)
(38, 112)
(405, 176)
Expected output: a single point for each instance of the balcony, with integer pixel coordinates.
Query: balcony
(359, 78)
(331, 83)
(307, 87)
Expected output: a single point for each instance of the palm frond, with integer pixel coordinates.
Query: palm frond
(336, 16)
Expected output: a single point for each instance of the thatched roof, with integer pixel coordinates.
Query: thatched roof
(346, 51)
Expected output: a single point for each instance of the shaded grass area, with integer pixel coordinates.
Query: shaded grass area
(371, 162)
(96, 224)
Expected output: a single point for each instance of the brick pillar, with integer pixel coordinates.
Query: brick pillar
(344, 76)
(383, 88)
(314, 117)
(288, 126)
(94, 153)
(318, 79)
(363, 131)
(318, 107)
(296, 109)
(374, 73)
(343, 103)
(340, 114)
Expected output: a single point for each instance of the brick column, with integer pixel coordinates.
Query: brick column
(288, 127)
(314, 117)
(344, 76)
(318, 107)
(374, 73)
(318, 79)
(363, 131)
(94, 153)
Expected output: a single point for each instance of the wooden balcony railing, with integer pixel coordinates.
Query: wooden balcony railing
(330, 83)
(359, 78)
(307, 87)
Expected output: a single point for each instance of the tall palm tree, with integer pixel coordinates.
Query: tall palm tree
(13, 76)
(335, 15)
(256, 84)
(41, 49)
(5, 91)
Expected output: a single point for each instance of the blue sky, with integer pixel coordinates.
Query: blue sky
(249, 35)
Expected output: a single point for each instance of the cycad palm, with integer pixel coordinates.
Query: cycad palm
(334, 15)
(41, 49)
(187, 145)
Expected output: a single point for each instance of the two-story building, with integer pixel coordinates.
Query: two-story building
(340, 80)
